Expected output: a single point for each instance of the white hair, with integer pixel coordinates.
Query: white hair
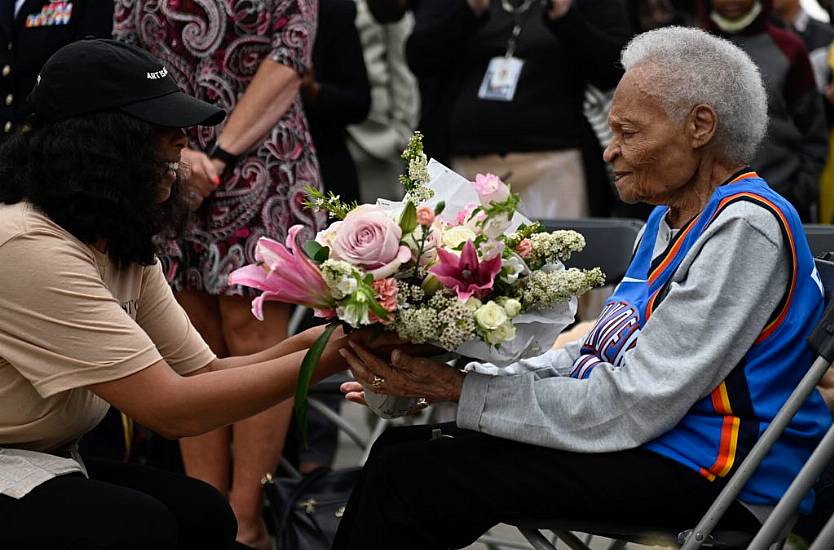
(688, 67)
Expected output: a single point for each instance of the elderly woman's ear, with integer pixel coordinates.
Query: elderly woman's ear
(702, 124)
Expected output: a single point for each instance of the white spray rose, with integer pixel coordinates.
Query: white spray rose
(511, 306)
(458, 235)
(490, 316)
(504, 333)
(473, 303)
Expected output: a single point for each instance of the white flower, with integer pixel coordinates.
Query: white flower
(515, 267)
(340, 278)
(418, 169)
(495, 226)
(490, 316)
(504, 333)
(346, 286)
(511, 306)
(355, 312)
(491, 249)
(473, 303)
(456, 236)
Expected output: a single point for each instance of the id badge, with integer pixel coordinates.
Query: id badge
(501, 78)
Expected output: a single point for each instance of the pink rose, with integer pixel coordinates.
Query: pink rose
(524, 248)
(369, 239)
(425, 215)
(490, 188)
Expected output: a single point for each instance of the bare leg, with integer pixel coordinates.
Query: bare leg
(259, 440)
(206, 456)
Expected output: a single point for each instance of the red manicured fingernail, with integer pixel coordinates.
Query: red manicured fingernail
(216, 180)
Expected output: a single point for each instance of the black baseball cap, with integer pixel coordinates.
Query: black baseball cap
(94, 75)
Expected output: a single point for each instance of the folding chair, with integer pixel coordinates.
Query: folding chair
(776, 527)
(820, 238)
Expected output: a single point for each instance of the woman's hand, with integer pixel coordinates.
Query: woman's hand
(478, 6)
(202, 178)
(558, 9)
(407, 376)
(354, 392)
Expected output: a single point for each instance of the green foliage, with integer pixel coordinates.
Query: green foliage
(316, 252)
(330, 203)
(408, 219)
(305, 375)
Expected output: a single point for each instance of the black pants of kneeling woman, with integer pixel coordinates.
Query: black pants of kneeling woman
(422, 494)
(121, 507)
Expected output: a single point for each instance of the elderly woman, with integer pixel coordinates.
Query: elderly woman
(643, 420)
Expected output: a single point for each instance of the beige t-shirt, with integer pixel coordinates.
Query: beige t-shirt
(70, 318)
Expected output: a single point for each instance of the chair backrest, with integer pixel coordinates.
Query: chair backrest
(820, 238)
(826, 270)
(609, 243)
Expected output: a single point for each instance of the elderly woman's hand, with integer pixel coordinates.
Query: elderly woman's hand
(383, 343)
(405, 376)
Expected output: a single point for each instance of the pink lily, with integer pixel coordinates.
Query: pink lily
(465, 274)
(284, 274)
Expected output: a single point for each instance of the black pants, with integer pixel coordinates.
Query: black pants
(433, 495)
(121, 507)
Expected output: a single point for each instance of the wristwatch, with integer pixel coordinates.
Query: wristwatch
(217, 152)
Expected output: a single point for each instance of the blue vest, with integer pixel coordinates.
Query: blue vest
(720, 429)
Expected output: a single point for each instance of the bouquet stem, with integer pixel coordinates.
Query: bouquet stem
(305, 375)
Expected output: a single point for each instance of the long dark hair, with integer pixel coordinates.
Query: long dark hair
(97, 176)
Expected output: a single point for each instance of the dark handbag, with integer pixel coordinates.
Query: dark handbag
(307, 510)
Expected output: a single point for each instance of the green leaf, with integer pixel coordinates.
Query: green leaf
(322, 255)
(305, 375)
(408, 219)
(378, 310)
(439, 208)
(311, 248)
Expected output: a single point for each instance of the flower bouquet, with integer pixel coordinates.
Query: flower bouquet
(454, 264)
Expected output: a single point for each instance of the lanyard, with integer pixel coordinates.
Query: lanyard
(517, 13)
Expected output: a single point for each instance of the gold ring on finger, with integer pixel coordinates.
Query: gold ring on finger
(377, 383)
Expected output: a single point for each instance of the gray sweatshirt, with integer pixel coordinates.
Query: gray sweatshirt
(719, 300)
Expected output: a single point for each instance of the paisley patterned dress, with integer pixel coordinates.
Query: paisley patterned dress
(213, 49)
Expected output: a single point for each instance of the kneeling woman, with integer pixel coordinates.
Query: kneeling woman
(87, 319)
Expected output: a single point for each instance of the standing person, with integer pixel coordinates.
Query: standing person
(87, 319)
(816, 35)
(511, 78)
(793, 153)
(336, 93)
(30, 32)
(377, 142)
(247, 59)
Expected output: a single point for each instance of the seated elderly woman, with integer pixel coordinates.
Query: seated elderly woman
(645, 418)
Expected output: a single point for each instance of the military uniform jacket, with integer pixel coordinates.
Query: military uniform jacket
(29, 38)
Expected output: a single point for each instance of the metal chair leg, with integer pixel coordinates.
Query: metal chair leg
(571, 540)
(536, 539)
(825, 540)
